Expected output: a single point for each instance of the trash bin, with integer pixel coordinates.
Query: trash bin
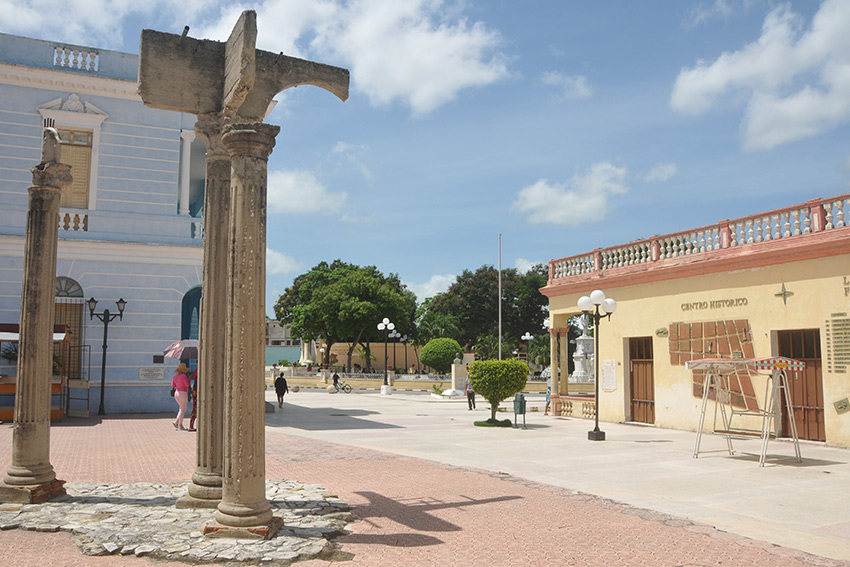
(519, 409)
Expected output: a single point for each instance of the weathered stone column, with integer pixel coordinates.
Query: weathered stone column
(564, 339)
(205, 489)
(31, 478)
(553, 360)
(243, 501)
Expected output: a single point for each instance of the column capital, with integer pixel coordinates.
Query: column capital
(51, 175)
(250, 139)
(209, 128)
(188, 135)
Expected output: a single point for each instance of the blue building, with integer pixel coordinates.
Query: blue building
(130, 226)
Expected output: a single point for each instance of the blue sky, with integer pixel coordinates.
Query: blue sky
(563, 125)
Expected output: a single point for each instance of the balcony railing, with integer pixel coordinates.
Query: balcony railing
(816, 215)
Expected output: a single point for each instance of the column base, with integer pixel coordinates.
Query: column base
(596, 435)
(31, 494)
(189, 501)
(386, 390)
(264, 531)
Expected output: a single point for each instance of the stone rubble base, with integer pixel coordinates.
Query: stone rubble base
(141, 519)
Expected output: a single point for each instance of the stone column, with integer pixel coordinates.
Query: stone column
(553, 360)
(205, 489)
(185, 162)
(243, 505)
(564, 339)
(31, 478)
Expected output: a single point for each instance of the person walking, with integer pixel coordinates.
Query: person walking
(280, 388)
(470, 395)
(180, 383)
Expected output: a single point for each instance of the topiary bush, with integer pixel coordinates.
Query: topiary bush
(497, 380)
(439, 354)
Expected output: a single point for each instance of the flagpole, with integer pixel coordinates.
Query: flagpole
(500, 296)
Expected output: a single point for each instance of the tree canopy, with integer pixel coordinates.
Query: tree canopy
(497, 380)
(341, 302)
(439, 354)
(473, 301)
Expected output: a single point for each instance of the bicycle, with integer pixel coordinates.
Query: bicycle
(341, 385)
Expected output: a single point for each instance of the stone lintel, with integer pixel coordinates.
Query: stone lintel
(31, 494)
(264, 531)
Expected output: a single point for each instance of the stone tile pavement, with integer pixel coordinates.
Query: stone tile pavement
(409, 510)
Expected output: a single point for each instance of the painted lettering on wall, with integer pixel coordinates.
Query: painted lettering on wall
(715, 304)
(846, 286)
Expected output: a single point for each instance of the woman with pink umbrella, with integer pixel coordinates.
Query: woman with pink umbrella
(180, 385)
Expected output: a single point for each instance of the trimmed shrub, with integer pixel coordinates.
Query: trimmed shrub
(497, 380)
(439, 354)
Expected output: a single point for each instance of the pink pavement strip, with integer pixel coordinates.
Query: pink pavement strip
(410, 511)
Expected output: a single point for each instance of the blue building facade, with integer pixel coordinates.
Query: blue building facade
(130, 225)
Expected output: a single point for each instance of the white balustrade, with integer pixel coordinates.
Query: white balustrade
(74, 58)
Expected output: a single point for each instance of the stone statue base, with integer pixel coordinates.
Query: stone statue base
(31, 494)
(248, 532)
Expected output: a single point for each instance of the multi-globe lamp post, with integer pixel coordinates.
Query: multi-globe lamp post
(595, 307)
(106, 317)
(394, 335)
(527, 337)
(386, 326)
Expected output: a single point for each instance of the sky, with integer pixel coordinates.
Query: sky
(562, 126)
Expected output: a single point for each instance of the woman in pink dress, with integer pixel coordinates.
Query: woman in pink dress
(181, 384)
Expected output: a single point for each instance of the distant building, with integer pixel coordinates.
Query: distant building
(278, 334)
(130, 225)
(772, 284)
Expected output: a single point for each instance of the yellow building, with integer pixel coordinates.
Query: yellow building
(771, 284)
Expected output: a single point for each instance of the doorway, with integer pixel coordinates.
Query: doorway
(806, 386)
(641, 380)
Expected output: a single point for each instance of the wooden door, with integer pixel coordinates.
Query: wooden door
(807, 386)
(641, 381)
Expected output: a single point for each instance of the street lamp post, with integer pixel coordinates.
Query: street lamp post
(596, 300)
(404, 340)
(527, 338)
(106, 317)
(394, 335)
(322, 357)
(386, 326)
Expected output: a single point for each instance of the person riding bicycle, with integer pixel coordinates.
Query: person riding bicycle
(336, 381)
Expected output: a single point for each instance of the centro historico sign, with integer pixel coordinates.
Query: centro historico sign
(715, 304)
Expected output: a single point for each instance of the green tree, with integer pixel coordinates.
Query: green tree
(432, 324)
(486, 347)
(474, 300)
(342, 302)
(439, 354)
(497, 380)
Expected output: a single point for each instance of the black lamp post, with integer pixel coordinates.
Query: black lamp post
(596, 300)
(386, 326)
(394, 335)
(404, 340)
(527, 337)
(106, 317)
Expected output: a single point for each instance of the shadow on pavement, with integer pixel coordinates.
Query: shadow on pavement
(392, 540)
(414, 514)
(323, 419)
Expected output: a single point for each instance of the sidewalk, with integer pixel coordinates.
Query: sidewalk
(430, 488)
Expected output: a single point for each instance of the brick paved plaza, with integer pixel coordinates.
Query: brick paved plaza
(412, 510)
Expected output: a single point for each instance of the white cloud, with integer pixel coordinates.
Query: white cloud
(279, 263)
(583, 199)
(661, 172)
(522, 265)
(299, 192)
(705, 11)
(569, 86)
(795, 80)
(419, 52)
(437, 284)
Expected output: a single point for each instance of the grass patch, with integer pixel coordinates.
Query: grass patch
(495, 423)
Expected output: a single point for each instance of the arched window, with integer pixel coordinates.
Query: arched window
(68, 306)
(191, 309)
